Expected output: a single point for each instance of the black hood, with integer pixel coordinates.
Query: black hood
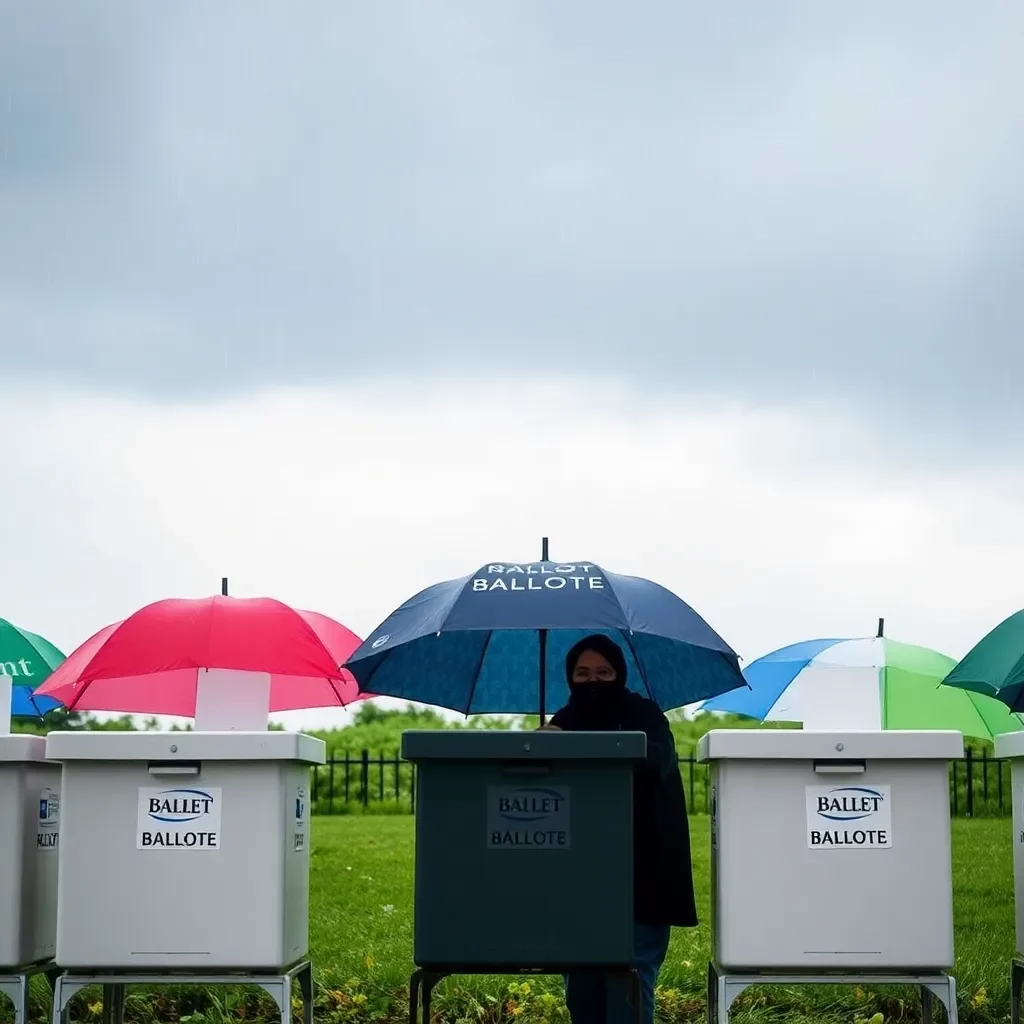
(607, 648)
(597, 705)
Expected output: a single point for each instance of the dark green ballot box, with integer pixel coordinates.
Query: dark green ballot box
(524, 849)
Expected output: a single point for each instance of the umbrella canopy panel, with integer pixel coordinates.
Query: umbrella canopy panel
(864, 684)
(151, 662)
(27, 659)
(496, 641)
(995, 665)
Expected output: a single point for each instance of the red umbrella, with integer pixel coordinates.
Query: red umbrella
(150, 663)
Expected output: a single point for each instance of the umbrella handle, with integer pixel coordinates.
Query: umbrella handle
(543, 646)
(543, 672)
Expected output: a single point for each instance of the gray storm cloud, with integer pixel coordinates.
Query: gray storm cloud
(760, 200)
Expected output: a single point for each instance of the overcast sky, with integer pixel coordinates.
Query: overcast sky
(342, 302)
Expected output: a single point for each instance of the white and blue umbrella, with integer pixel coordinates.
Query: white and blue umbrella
(862, 683)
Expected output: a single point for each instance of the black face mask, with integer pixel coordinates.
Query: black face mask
(597, 703)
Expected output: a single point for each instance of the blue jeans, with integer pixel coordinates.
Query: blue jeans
(599, 999)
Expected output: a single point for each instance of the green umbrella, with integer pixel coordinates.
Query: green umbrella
(920, 704)
(27, 659)
(995, 665)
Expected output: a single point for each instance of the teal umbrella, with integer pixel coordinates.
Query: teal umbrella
(995, 665)
(27, 659)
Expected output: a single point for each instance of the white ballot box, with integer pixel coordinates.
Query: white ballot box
(184, 850)
(1011, 747)
(29, 837)
(831, 850)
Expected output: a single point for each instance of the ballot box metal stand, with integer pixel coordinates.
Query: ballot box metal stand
(1016, 987)
(724, 988)
(425, 979)
(14, 985)
(277, 985)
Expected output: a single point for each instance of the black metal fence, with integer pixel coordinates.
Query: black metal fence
(979, 785)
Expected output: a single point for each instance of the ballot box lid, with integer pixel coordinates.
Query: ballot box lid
(509, 745)
(1010, 745)
(22, 747)
(185, 746)
(800, 744)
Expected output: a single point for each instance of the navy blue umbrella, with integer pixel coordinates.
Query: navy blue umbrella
(496, 641)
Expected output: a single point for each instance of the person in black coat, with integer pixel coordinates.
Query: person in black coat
(662, 874)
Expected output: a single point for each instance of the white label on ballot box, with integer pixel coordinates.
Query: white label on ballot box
(849, 818)
(48, 825)
(528, 818)
(300, 812)
(178, 818)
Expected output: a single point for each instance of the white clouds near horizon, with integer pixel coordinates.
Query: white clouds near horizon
(776, 526)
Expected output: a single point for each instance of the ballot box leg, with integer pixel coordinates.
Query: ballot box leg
(415, 983)
(305, 978)
(429, 983)
(1016, 985)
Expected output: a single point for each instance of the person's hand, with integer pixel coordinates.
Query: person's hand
(549, 728)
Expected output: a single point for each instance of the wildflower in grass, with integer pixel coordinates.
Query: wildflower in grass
(388, 908)
(369, 961)
(980, 997)
(878, 1018)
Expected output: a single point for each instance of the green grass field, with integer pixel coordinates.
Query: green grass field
(361, 944)
(362, 928)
